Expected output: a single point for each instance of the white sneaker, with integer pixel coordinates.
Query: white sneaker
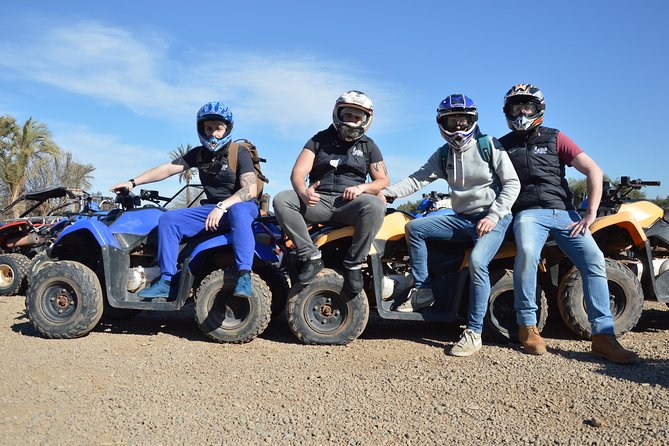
(468, 344)
(418, 298)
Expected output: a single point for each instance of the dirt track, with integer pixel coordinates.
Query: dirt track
(155, 379)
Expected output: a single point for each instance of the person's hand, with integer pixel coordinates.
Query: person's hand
(214, 218)
(381, 196)
(351, 193)
(484, 226)
(311, 197)
(581, 226)
(117, 188)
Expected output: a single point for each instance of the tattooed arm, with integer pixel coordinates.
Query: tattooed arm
(248, 191)
(379, 175)
(380, 179)
(249, 188)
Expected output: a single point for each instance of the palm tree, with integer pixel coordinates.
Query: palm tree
(21, 148)
(188, 174)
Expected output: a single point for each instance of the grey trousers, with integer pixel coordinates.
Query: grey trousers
(366, 213)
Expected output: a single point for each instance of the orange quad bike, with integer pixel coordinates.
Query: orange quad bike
(634, 237)
(320, 313)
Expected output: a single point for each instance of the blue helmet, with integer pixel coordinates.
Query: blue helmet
(214, 111)
(457, 119)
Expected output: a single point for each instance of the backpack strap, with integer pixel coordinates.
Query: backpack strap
(485, 149)
(443, 152)
(233, 151)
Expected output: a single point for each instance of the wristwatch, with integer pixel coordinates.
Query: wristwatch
(132, 181)
(221, 206)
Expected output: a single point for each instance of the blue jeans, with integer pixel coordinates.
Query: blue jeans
(188, 222)
(458, 228)
(531, 228)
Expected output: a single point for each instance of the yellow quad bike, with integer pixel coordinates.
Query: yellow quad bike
(320, 313)
(634, 237)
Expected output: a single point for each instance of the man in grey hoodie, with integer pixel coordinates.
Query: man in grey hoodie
(484, 186)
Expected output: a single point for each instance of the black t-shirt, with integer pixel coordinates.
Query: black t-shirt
(218, 180)
(340, 164)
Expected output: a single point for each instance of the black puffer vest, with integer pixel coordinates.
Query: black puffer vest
(339, 164)
(541, 173)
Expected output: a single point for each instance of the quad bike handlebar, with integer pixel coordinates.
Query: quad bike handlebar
(616, 194)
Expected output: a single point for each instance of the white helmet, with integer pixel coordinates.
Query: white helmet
(355, 103)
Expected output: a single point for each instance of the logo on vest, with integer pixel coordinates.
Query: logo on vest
(337, 161)
(541, 150)
(356, 152)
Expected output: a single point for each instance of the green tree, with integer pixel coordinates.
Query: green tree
(409, 206)
(61, 170)
(187, 175)
(580, 189)
(21, 147)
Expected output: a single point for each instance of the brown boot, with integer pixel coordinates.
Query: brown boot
(608, 347)
(531, 340)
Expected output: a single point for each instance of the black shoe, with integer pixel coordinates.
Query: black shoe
(353, 282)
(309, 270)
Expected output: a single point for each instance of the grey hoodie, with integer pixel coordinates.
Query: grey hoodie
(474, 188)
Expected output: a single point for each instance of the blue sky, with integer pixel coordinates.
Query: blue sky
(119, 83)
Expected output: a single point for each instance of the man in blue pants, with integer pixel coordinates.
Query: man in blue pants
(230, 199)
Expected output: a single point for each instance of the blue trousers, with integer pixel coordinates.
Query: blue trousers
(531, 228)
(458, 228)
(174, 225)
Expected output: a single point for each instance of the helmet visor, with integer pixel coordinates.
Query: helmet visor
(528, 109)
(456, 122)
(352, 115)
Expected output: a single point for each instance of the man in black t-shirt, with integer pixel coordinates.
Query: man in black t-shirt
(230, 198)
(337, 161)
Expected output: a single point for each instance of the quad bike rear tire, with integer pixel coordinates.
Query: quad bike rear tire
(64, 300)
(226, 318)
(625, 295)
(319, 313)
(500, 323)
(13, 274)
(278, 285)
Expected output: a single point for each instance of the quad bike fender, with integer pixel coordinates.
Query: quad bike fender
(138, 221)
(506, 251)
(643, 212)
(11, 229)
(625, 220)
(262, 249)
(391, 229)
(97, 229)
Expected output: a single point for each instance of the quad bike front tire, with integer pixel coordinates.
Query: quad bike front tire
(319, 313)
(226, 318)
(37, 263)
(499, 324)
(64, 300)
(13, 274)
(625, 296)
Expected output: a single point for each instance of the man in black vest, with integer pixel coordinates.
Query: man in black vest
(544, 207)
(337, 161)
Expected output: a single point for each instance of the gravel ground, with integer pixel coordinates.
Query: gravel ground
(155, 379)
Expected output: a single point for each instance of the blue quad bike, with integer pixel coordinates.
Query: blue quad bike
(97, 266)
